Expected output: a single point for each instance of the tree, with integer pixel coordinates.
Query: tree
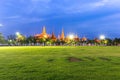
(49, 41)
(20, 39)
(109, 41)
(57, 42)
(90, 42)
(97, 41)
(104, 42)
(42, 40)
(11, 39)
(2, 39)
(31, 40)
(116, 41)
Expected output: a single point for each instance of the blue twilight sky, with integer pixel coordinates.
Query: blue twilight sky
(88, 18)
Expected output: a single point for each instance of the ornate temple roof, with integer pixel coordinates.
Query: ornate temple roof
(53, 37)
(43, 34)
(84, 39)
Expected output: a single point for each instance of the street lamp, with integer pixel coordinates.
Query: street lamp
(102, 37)
(71, 37)
(17, 33)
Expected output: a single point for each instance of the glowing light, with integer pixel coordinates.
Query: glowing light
(102, 37)
(71, 36)
(17, 33)
(45, 36)
(10, 40)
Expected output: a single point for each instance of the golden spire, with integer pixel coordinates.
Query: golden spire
(62, 35)
(76, 36)
(53, 35)
(58, 36)
(44, 30)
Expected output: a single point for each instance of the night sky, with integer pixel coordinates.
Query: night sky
(89, 18)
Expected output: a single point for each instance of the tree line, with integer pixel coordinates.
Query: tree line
(20, 40)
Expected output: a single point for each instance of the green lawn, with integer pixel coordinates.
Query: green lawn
(59, 63)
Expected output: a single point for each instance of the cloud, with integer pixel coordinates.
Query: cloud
(100, 3)
(45, 1)
(12, 17)
(1, 25)
(107, 3)
(31, 20)
(105, 24)
(71, 7)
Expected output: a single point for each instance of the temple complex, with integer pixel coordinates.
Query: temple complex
(61, 37)
(43, 34)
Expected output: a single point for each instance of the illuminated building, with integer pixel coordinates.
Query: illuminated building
(62, 37)
(84, 39)
(43, 34)
(53, 37)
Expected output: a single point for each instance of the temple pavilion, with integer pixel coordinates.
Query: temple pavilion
(43, 34)
(53, 37)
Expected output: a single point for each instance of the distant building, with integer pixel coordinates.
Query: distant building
(62, 37)
(43, 34)
(77, 38)
(53, 37)
(84, 39)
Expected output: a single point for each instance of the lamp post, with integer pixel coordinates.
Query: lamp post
(102, 38)
(17, 33)
(71, 37)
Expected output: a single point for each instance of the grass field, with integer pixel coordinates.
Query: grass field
(59, 63)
